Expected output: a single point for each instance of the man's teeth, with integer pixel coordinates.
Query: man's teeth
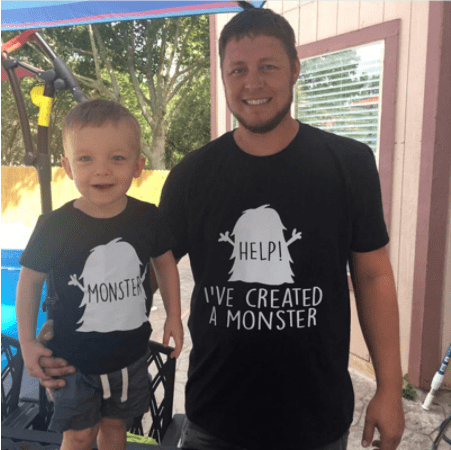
(257, 102)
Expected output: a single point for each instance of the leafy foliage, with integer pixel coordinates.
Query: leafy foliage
(190, 127)
(408, 391)
(151, 66)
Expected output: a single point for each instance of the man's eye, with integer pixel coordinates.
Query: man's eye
(237, 71)
(84, 158)
(269, 67)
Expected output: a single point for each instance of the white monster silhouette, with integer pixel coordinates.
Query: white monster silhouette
(114, 296)
(260, 251)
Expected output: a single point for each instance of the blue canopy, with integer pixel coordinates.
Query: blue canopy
(22, 15)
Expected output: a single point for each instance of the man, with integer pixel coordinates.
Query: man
(269, 215)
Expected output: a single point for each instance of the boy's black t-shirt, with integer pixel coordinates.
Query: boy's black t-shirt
(269, 239)
(100, 271)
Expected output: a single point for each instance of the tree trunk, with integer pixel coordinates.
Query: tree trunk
(158, 145)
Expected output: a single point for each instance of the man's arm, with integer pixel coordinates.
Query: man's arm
(379, 319)
(53, 367)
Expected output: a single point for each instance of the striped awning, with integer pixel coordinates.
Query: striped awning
(22, 15)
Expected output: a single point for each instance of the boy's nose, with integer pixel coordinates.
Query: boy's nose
(102, 168)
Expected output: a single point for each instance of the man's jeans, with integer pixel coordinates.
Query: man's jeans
(193, 438)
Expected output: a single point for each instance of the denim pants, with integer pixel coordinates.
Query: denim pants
(193, 438)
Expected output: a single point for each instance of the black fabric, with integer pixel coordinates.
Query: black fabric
(269, 239)
(101, 276)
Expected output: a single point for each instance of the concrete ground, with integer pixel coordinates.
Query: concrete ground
(421, 426)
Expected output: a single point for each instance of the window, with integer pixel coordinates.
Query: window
(340, 92)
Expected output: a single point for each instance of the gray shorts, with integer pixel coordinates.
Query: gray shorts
(86, 399)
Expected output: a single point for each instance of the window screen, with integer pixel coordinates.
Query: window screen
(340, 92)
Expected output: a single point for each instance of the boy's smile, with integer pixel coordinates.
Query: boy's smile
(102, 161)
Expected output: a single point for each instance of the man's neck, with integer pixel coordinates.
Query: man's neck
(269, 143)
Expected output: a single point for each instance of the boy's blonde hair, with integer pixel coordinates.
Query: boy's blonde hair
(95, 113)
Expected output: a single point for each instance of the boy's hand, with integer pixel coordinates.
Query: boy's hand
(32, 351)
(173, 327)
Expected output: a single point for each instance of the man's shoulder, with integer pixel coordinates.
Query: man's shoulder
(340, 144)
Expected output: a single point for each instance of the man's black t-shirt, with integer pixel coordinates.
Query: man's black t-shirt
(100, 272)
(269, 239)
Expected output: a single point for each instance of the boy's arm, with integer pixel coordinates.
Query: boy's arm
(29, 289)
(379, 319)
(168, 279)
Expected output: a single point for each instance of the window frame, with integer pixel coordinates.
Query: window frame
(389, 33)
(351, 114)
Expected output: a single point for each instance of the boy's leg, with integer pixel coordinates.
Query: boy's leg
(80, 439)
(112, 434)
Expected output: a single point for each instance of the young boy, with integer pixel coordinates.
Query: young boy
(96, 249)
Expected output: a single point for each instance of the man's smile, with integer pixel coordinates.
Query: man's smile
(261, 101)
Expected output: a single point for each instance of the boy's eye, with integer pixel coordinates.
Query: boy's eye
(118, 158)
(84, 158)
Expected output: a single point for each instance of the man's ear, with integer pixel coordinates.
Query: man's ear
(66, 164)
(140, 163)
(296, 71)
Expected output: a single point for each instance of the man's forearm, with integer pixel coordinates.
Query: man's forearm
(379, 319)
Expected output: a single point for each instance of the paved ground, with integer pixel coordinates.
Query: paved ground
(421, 426)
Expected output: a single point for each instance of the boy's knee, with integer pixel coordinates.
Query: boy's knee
(115, 424)
(81, 439)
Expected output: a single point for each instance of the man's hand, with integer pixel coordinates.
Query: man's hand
(174, 327)
(52, 367)
(384, 412)
(32, 351)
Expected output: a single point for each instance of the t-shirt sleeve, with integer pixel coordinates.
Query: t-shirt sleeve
(162, 238)
(173, 207)
(39, 254)
(369, 231)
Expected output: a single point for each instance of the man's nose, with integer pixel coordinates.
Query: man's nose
(253, 79)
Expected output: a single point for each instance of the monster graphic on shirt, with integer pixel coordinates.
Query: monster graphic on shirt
(260, 251)
(113, 294)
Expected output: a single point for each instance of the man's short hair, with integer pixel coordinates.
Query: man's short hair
(256, 22)
(97, 112)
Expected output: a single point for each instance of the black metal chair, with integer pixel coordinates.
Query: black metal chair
(33, 413)
(16, 411)
(165, 428)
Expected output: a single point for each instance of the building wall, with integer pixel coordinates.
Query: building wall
(314, 21)
(446, 324)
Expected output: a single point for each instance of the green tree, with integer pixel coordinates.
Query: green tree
(149, 66)
(190, 128)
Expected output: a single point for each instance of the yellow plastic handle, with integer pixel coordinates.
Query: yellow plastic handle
(44, 103)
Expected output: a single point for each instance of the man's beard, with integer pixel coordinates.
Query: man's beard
(268, 126)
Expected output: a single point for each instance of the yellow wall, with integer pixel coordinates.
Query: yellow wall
(21, 198)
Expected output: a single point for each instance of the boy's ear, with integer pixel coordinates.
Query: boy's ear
(66, 164)
(139, 166)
